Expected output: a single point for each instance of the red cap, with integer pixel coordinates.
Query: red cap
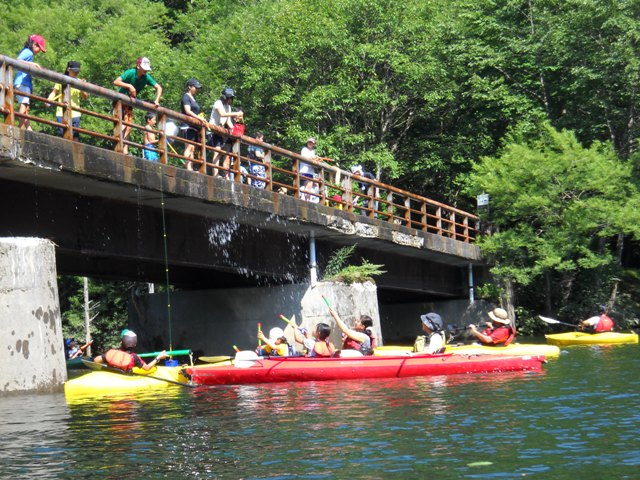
(39, 40)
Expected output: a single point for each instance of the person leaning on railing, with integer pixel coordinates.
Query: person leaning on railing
(222, 116)
(34, 45)
(132, 82)
(191, 108)
(57, 95)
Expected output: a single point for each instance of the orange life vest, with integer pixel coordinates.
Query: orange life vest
(120, 359)
(324, 348)
(605, 324)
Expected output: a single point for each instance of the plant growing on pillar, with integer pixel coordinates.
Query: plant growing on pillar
(338, 269)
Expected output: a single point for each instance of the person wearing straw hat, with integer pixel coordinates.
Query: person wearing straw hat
(276, 344)
(502, 334)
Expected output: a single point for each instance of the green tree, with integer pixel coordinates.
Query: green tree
(555, 206)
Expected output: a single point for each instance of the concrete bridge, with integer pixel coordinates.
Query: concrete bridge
(120, 216)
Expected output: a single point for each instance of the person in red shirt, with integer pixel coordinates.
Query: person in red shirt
(502, 334)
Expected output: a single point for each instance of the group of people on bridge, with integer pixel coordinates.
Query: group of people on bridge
(133, 82)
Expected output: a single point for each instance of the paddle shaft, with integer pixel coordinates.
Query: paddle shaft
(553, 321)
(170, 353)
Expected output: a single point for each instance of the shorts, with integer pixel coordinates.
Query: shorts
(151, 155)
(127, 113)
(75, 123)
(218, 141)
(190, 134)
(23, 88)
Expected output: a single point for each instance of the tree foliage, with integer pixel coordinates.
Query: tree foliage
(420, 93)
(555, 205)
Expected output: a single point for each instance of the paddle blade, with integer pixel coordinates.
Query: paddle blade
(549, 320)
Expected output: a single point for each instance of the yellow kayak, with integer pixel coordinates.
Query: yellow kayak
(517, 349)
(583, 338)
(106, 382)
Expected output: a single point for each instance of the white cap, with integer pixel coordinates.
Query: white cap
(275, 333)
(144, 63)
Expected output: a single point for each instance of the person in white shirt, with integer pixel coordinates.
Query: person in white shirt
(310, 188)
(221, 116)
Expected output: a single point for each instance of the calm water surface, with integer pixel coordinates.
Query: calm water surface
(579, 419)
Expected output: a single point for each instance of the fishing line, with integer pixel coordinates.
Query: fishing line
(166, 256)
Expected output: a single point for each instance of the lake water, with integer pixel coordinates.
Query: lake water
(579, 419)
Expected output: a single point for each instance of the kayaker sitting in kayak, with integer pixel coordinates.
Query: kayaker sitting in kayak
(503, 334)
(599, 323)
(355, 338)
(435, 340)
(124, 358)
(276, 345)
(318, 344)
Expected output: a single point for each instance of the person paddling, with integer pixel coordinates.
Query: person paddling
(598, 323)
(276, 344)
(503, 334)
(124, 357)
(356, 338)
(317, 344)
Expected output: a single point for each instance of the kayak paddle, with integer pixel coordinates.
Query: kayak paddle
(215, 359)
(552, 321)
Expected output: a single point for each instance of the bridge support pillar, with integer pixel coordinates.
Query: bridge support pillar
(32, 353)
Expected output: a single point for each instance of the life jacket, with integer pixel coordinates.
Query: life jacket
(120, 359)
(512, 336)
(372, 337)
(324, 348)
(605, 324)
(444, 341)
(364, 347)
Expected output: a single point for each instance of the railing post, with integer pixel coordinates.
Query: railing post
(162, 140)
(407, 211)
(439, 221)
(347, 185)
(202, 151)
(423, 216)
(296, 181)
(267, 164)
(465, 222)
(67, 113)
(390, 207)
(237, 178)
(7, 94)
(118, 131)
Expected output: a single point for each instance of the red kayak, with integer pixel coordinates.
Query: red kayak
(301, 369)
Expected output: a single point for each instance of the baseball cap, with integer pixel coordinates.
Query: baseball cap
(311, 139)
(144, 63)
(192, 82)
(40, 41)
(72, 65)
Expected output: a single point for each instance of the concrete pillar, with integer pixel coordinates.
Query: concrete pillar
(350, 301)
(32, 349)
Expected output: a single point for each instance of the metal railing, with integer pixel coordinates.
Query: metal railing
(331, 186)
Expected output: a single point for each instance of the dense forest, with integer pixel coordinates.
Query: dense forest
(530, 101)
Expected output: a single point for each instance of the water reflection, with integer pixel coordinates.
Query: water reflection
(578, 419)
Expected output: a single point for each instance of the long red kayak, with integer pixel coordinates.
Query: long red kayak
(301, 369)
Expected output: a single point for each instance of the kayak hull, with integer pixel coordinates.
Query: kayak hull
(106, 382)
(583, 338)
(517, 349)
(301, 369)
